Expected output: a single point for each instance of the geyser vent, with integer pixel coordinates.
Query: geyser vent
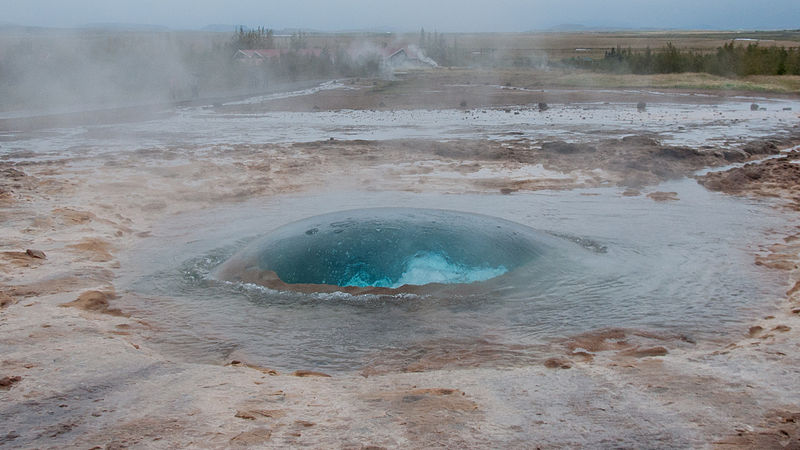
(385, 248)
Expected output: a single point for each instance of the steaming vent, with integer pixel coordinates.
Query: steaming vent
(385, 249)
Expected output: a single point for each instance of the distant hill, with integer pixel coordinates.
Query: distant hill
(123, 27)
(577, 28)
(223, 28)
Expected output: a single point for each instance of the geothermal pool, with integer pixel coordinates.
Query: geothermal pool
(392, 249)
(590, 259)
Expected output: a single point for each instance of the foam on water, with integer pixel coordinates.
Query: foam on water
(425, 268)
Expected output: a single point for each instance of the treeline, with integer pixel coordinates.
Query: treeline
(248, 39)
(293, 60)
(728, 60)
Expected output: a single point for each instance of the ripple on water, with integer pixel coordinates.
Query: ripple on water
(621, 261)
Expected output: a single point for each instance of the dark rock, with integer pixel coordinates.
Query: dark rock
(7, 382)
(641, 106)
(754, 107)
(543, 106)
(36, 254)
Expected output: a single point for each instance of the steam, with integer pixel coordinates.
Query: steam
(420, 54)
(52, 71)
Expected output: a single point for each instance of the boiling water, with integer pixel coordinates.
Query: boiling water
(684, 267)
(390, 248)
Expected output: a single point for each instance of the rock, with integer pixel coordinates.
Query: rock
(36, 254)
(543, 107)
(641, 106)
(755, 331)
(754, 107)
(7, 382)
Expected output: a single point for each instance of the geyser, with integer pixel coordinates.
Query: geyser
(385, 249)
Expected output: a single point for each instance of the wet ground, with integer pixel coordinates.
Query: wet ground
(676, 330)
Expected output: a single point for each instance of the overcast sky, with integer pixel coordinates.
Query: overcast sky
(410, 15)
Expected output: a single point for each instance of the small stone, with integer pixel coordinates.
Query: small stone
(36, 254)
(7, 382)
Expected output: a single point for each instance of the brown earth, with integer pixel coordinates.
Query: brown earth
(95, 301)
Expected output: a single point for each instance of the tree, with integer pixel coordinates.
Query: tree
(252, 39)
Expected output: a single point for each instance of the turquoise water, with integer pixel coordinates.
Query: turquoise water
(389, 247)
